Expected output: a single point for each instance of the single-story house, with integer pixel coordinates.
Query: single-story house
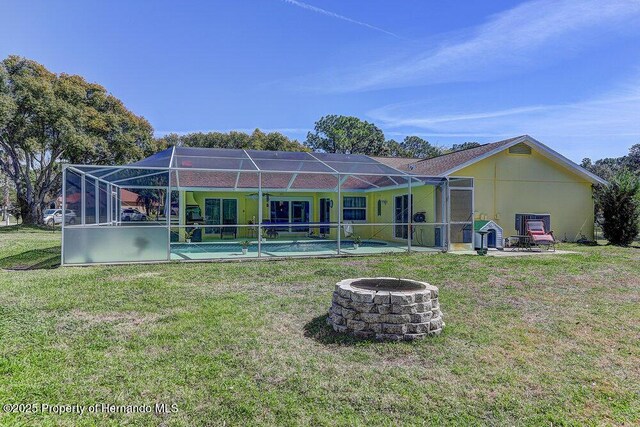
(519, 175)
(128, 199)
(235, 204)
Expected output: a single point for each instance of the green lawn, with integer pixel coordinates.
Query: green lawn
(547, 340)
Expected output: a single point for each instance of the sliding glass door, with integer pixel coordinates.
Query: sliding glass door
(220, 212)
(325, 214)
(402, 210)
(289, 212)
(300, 214)
(279, 214)
(212, 215)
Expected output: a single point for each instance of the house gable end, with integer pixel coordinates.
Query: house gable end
(537, 148)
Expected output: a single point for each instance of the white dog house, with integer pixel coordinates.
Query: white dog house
(492, 234)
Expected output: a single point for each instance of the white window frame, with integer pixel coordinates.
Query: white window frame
(291, 199)
(357, 221)
(393, 217)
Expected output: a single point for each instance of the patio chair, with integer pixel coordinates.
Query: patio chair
(233, 231)
(269, 230)
(538, 236)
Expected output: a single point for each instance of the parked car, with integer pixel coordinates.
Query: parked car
(130, 214)
(54, 216)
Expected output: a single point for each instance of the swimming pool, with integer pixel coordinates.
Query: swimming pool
(270, 247)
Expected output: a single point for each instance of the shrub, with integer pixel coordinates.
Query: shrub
(620, 203)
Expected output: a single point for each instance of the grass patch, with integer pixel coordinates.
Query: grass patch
(529, 341)
(29, 247)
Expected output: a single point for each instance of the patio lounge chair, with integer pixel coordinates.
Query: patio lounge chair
(538, 236)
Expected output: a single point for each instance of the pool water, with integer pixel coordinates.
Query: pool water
(269, 246)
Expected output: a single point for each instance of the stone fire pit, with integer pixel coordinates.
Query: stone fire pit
(386, 308)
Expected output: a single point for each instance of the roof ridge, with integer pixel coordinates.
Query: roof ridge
(471, 148)
(454, 152)
(393, 157)
(449, 163)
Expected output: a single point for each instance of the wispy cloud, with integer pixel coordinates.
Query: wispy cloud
(337, 16)
(525, 36)
(600, 126)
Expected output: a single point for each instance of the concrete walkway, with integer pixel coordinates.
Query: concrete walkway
(511, 252)
(508, 252)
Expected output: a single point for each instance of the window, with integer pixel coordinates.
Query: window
(354, 208)
(461, 182)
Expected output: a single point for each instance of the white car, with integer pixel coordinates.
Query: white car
(130, 214)
(54, 216)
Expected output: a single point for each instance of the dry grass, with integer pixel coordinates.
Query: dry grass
(549, 340)
(125, 323)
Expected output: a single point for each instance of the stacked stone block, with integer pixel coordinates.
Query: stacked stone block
(386, 315)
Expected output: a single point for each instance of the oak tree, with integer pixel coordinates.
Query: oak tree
(48, 118)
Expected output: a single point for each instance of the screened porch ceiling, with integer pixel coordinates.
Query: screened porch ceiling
(235, 169)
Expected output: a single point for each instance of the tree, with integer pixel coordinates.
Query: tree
(47, 118)
(632, 161)
(464, 146)
(258, 140)
(414, 146)
(149, 198)
(276, 141)
(604, 168)
(411, 146)
(394, 148)
(620, 203)
(8, 192)
(609, 167)
(347, 135)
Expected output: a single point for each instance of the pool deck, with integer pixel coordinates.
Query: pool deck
(198, 251)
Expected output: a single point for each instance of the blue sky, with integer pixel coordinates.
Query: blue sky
(566, 72)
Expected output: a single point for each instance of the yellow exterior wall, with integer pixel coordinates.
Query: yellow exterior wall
(248, 207)
(506, 184)
(424, 200)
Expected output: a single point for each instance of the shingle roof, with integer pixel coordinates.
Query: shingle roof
(400, 163)
(238, 169)
(277, 180)
(437, 166)
(452, 162)
(441, 164)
